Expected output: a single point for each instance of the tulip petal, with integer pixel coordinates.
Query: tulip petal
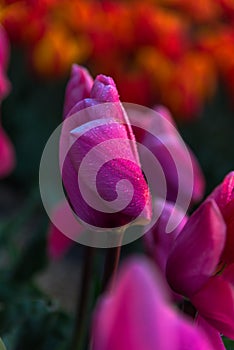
(78, 87)
(197, 250)
(224, 193)
(110, 161)
(224, 197)
(104, 90)
(228, 214)
(212, 334)
(159, 243)
(58, 243)
(215, 303)
(133, 316)
(4, 49)
(172, 154)
(7, 154)
(191, 337)
(136, 316)
(63, 223)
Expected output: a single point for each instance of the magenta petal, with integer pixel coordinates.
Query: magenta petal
(164, 111)
(191, 337)
(228, 274)
(224, 197)
(58, 243)
(212, 334)
(136, 316)
(171, 155)
(215, 303)
(197, 250)
(63, 221)
(112, 162)
(159, 243)
(104, 90)
(199, 179)
(101, 120)
(7, 154)
(4, 49)
(78, 87)
(224, 193)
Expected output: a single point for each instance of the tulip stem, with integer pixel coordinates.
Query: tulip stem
(83, 301)
(112, 263)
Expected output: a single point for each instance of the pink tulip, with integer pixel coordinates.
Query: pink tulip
(170, 153)
(164, 158)
(196, 270)
(4, 57)
(99, 127)
(211, 333)
(158, 242)
(224, 197)
(63, 221)
(7, 155)
(136, 315)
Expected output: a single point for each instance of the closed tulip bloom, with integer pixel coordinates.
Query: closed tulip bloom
(107, 133)
(136, 315)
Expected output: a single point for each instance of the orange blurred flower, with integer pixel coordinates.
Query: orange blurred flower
(55, 52)
(149, 47)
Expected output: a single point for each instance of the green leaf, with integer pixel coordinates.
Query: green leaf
(229, 344)
(2, 346)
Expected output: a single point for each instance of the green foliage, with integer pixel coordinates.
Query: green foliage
(2, 346)
(30, 114)
(229, 344)
(211, 138)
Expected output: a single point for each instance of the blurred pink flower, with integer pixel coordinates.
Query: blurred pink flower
(158, 242)
(171, 153)
(63, 221)
(136, 315)
(7, 154)
(199, 180)
(4, 57)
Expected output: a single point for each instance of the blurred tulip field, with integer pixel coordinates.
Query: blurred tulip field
(76, 62)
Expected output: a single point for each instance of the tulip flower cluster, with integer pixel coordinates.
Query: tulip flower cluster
(7, 158)
(197, 258)
(194, 261)
(149, 48)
